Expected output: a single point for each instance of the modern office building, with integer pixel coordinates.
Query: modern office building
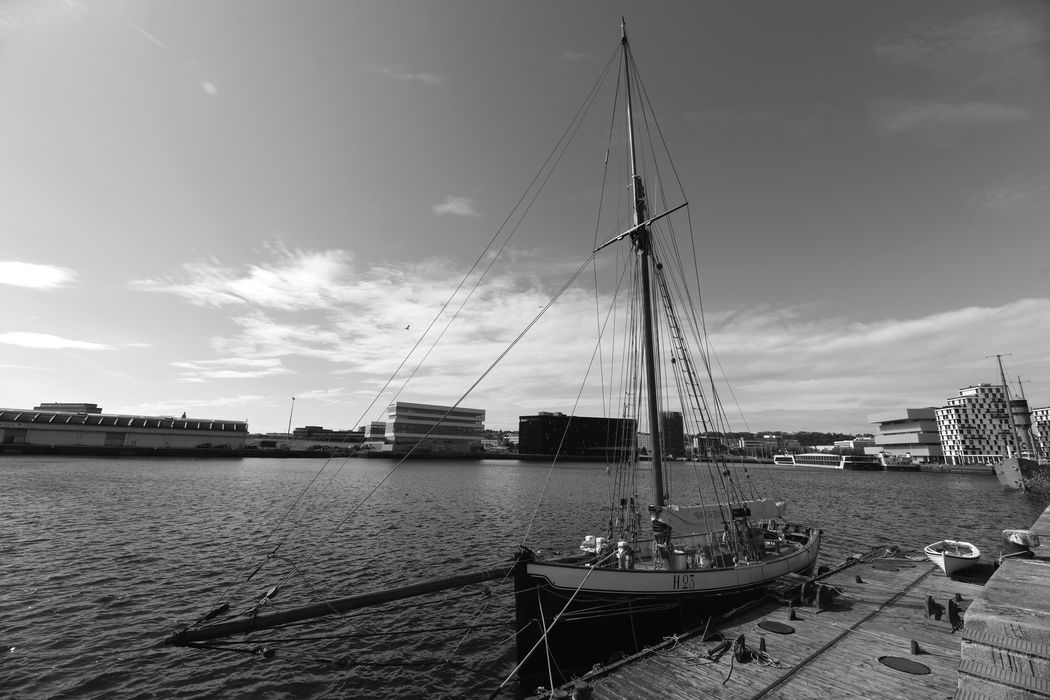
(907, 434)
(317, 434)
(427, 429)
(575, 436)
(975, 425)
(1041, 429)
(673, 428)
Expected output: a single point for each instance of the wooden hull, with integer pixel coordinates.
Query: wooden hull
(953, 556)
(595, 614)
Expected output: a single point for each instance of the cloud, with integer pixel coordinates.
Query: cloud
(14, 14)
(891, 117)
(575, 55)
(192, 406)
(408, 76)
(209, 87)
(294, 280)
(22, 274)
(791, 367)
(1003, 47)
(1014, 197)
(458, 206)
(230, 368)
(46, 341)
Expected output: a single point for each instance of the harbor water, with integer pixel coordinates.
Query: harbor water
(103, 558)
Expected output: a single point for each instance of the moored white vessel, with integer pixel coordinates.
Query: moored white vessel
(952, 555)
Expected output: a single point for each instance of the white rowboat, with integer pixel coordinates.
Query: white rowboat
(952, 555)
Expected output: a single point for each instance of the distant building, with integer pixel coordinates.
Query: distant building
(1041, 429)
(764, 446)
(317, 434)
(86, 426)
(975, 425)
(673, 428)
(70, 407)
(431, 429)
(708, 445)
(859, 442)
(907, 434)
(644, 443)
(577, 436)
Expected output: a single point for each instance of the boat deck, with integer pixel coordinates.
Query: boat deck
(877, 609)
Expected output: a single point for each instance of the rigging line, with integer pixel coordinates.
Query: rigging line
(576, 403)
(543, 637)
(358, 635)
(550, 657)
(597, 226)
(234, 587)
(644, 96)
(492, 260)
(470, 628)
(562, 146)
(546, 166)
(313, 552)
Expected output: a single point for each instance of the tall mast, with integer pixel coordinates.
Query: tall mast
(1034, 449)
(1009, 408)
(643, 243)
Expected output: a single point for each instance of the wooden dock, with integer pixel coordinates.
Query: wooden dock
(1006, 643)
(878, 616)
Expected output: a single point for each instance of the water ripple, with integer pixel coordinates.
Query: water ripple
(115, 554)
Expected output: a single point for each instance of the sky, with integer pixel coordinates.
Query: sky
(213, 207)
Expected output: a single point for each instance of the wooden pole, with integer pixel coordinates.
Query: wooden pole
(292, 616)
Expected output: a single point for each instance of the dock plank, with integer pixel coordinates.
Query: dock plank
(831, 653)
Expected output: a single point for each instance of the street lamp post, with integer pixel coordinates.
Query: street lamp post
(290, 412)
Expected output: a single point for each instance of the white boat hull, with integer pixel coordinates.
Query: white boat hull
(953, 555)
(581, 614)
(674, 582)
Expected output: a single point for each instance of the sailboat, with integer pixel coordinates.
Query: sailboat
(1016, 471)
(695, 559)
(665, 560)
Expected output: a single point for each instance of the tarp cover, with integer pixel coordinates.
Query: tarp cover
(684, 519)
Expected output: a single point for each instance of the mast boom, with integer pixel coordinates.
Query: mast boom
(254, 622)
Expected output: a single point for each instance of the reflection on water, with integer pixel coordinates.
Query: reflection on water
(103, 557)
